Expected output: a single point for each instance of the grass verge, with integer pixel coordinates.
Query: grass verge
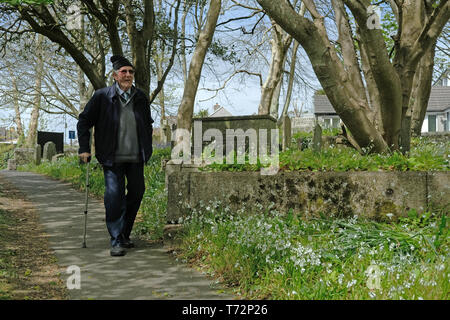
(28, 269)
(272, 256)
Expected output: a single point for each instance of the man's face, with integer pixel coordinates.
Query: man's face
(124, 77)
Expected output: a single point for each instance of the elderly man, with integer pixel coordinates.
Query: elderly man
(120, 115)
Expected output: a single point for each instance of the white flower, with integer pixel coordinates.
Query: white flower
(340, 278)
(351, 283)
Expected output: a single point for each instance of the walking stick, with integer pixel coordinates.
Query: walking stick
(86, 201)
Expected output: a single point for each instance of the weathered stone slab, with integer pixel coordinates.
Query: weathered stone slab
(37, 154)
(286, 132)
(317, 139)
(438, 189)
(58, 156)
(237, 130)
(24, 155)
(49, 151)
(375, 195)
(12, 164)
(177, 185)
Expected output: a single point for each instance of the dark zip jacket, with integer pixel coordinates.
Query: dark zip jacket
(103, 113)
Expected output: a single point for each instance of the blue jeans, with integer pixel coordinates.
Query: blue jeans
(121, 208)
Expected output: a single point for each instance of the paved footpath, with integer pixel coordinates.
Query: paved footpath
(146, 272)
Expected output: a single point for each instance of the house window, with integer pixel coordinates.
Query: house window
(431, 123)
(335, 122)
(327, 123)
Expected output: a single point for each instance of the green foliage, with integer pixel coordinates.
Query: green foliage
(225, 52)
(320, 91)
(425, 155)
(331, 132)
(152, 217)
(20, 2)
(389, 28)
(202, 113)
(6, 153)
(7, 269)
(264, 254)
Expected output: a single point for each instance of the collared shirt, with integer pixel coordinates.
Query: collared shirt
(121, 92)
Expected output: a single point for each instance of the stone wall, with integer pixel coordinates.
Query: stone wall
(374, 195)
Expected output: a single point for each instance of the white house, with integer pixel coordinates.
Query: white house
(437, 117)
(220, 111)
(324, 112)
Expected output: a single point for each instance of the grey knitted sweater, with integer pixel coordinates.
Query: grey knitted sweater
(127, 139)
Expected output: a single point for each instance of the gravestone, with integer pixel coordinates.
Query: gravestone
(12, 164)
(317, 139)
(24, 155)
(167, 134)
(305, 123)
(37, 154)
(251, 130)
(49, 151)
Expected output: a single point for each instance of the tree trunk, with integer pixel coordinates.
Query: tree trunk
(140, 40)
(372, 91)
(329, 70)
(287, 101)
(389, 83)
(421, 91)
(183, 42)
(32, 131)
(159, 73)
(186, 110)
(17, 117)
(83, 91)
(280, 44)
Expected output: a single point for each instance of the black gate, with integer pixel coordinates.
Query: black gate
(56, 137)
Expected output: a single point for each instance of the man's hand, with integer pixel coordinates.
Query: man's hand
(85, 157)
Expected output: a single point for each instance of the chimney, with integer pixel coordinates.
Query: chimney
(216, 107)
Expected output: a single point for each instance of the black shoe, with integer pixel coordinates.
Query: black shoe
(118, 251)
(127, 243)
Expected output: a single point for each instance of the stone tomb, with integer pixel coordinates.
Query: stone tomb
(239, 131)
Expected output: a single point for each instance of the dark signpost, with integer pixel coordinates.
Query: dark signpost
(71, 136)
